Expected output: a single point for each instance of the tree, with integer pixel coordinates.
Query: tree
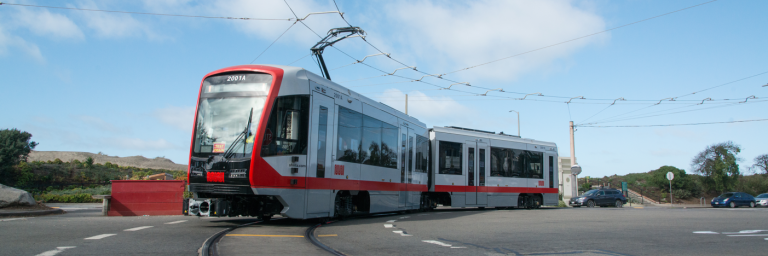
(15, 146)
(761, 163)
(89, 162)
(717, 163)
(659, 178)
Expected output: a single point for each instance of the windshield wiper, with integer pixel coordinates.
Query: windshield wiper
(243, 135)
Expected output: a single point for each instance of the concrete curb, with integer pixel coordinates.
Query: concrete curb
(30, 213)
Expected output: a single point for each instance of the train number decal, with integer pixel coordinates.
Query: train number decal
(338, 170)
(235, 78)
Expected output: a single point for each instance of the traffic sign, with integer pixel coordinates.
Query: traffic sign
(670, 176)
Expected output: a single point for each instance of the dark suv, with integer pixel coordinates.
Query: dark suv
(601, 197)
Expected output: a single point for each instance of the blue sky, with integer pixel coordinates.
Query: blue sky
(126, 84)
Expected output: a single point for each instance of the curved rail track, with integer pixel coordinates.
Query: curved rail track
(210, 246)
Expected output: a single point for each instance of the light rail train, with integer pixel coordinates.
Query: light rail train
(271, 139)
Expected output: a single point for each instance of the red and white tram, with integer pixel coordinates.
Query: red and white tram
(274, 139)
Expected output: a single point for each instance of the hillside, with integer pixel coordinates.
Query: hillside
(132, 161)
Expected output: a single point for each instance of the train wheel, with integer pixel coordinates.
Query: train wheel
(343, 206)
(266, 218)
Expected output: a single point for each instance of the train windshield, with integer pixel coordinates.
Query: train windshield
(229, 113)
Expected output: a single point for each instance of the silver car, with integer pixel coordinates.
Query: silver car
(761, 200)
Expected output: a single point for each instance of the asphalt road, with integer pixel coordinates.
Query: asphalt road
(68, 234)
(553, 231)
(556, 231)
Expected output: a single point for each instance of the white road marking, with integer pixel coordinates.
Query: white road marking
(750, 235)
(57, 251)
(391, 221)
(404, 217)
(705, 232)
(388, 225)
(401, 233)
(99, 236)
(745, 232)
(14, 219)
(176, 222)
(138, 228)
(437, 243)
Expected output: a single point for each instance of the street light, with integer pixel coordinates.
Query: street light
(518, 122)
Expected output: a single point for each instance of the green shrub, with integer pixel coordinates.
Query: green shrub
(77, 198)
(681, 193)
(561, 204)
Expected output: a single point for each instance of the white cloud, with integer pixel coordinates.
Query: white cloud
(178, 117)
(279, 10)
(45, 23)
(431, 110)
(461, 34)
(9, 41)
(111, 25)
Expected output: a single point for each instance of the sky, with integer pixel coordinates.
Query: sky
(125, 84)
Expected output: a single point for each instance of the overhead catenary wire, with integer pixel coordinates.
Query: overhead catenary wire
(144, 13)
(273, 42)
(661, 125)
(685, 111)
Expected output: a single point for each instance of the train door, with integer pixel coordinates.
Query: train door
(477, 160)
(413, 195)
(403, 199)
(483, 155)
(321, 160)
(470, 147)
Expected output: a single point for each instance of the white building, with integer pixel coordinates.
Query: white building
(569, 183)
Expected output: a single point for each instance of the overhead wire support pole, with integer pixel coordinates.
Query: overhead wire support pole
(518, 122)
(317, 50)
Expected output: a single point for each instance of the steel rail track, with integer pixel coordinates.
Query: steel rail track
(310, 235)
(210, 245)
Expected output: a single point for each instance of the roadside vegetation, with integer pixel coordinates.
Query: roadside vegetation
(715, 170)
(59, 181)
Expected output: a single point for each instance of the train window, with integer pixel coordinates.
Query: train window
(322, 128)
(534, 164)
(350, 129)
(481, 174)
(370, 152)
(221, 123)
(389, 146)
(450, 158)
(287, 127)
(507, 162)
(422, 152)
(471, 167)
(410, 159)
(551, 172)
(403, 156)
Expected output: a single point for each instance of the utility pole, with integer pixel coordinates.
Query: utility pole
(406, 104)
(573, 151)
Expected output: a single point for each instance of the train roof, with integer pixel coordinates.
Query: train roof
(298, 73)
(490, 135)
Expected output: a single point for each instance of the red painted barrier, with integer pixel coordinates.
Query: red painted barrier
(146, 197)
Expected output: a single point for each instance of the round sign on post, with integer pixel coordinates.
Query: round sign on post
(670, 176)
(576, 170)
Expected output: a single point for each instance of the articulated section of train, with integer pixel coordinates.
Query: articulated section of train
(281, 140)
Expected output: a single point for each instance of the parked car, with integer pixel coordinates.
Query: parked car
(733, 200)
(600, 197)
(762, 199)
